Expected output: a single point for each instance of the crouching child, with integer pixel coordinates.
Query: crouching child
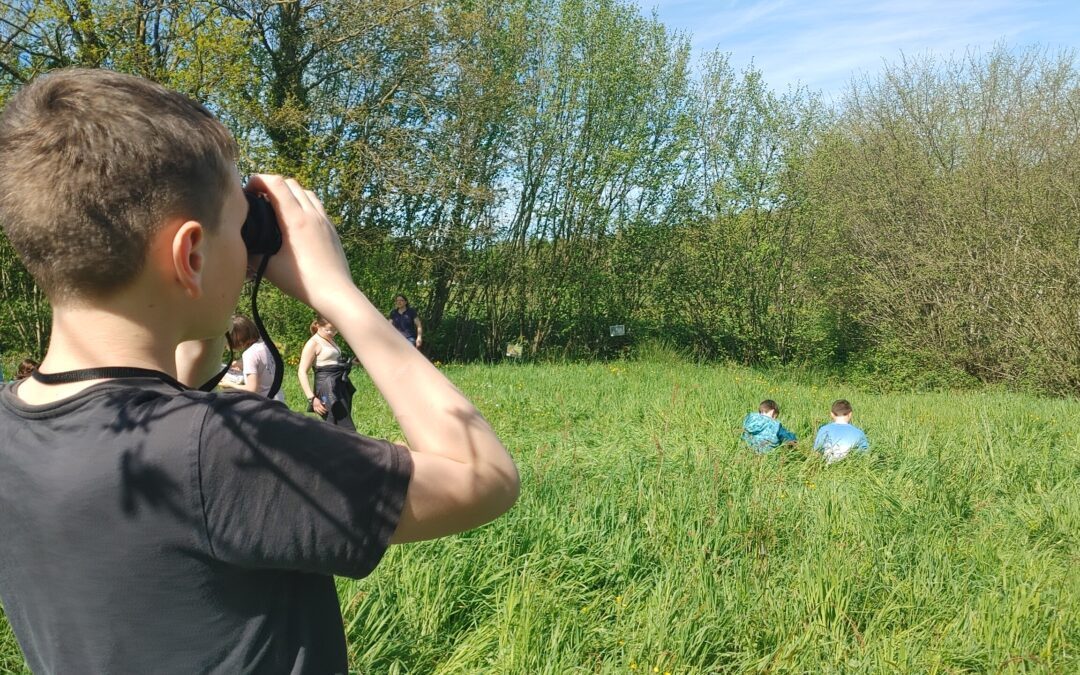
(838, 439)
(763, 431)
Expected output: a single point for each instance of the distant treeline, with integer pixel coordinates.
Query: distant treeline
(534, 171)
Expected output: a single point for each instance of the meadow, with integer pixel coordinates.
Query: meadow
(647, 538)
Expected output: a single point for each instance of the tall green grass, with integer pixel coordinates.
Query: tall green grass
(648, 539)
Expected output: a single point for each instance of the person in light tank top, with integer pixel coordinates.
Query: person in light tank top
(331, 395)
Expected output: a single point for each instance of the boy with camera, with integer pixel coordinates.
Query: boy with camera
(149, 527)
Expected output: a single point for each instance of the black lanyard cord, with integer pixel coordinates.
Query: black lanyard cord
(105, 373)
(279, 365)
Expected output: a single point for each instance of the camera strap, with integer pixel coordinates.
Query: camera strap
(105, 373)
(279, 365)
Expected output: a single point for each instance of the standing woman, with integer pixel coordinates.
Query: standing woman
(406, 321)
(332, 395)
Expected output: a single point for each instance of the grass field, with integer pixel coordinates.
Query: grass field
(648, 540)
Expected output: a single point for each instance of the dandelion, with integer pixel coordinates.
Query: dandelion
(618, 599)
(633, 665)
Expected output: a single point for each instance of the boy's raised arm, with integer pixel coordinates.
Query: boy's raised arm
(462, 476)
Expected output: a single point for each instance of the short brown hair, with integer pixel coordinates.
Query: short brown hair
(92, 163)
(767, 406)
(841, 408)
(243, 332)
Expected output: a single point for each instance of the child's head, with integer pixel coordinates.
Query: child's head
(840, 411)
(25, 369)
(93, 165)
(242, 333)
(769, 408)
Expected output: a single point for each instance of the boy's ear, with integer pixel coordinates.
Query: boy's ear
(189, 257)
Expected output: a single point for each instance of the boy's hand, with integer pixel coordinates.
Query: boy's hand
(311, 264)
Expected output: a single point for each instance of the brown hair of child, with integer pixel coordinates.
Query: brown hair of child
(243, 332)
(841, 407)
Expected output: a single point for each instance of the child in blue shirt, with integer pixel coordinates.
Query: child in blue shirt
(839, 438)
(762, 430)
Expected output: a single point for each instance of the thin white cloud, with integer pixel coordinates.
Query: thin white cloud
(823, 43)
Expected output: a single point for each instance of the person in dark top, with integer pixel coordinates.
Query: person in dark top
(151, 528)
(406, 321)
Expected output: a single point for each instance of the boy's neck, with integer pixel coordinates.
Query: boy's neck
(94, 337)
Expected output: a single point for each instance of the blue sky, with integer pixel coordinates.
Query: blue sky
(823, 43)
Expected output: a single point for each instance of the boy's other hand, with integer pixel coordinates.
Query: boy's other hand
(311, 264)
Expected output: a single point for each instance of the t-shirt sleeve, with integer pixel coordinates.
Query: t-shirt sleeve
(284, 491)
(252, 360)
(819, 438)
(863, 443)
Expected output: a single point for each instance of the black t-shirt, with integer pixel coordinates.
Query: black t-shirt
(146, 530)
(405, 322)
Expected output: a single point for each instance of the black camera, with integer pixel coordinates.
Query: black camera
(261, 233)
